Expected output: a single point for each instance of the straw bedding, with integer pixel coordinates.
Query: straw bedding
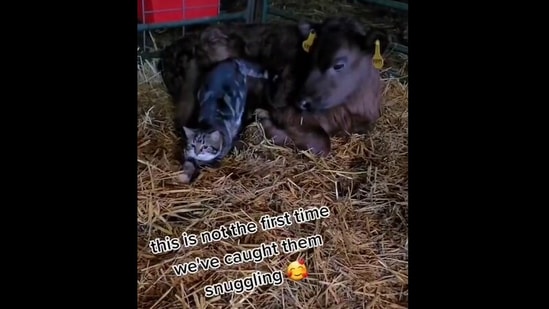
(364, 182)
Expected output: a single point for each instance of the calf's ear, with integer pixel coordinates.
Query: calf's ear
(305, 27)
(213, 35)
(370, 40)
(357, 26)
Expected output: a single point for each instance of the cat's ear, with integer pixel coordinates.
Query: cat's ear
(216, 136)
(188, 132)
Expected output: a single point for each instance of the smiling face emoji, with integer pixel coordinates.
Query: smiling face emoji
(297, 270)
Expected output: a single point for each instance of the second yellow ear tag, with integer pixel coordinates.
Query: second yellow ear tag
(309, 41)
(377, 59)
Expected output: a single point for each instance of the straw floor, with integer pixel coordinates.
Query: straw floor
(363, 262)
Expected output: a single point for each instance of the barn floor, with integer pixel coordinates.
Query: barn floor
(363, 261)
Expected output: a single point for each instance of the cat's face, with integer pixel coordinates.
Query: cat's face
(203, 146)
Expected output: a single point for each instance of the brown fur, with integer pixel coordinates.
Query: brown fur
(215, 46)
(353, 113)
(275, 46)
(278, 48)
(180, 71)
(313, 130)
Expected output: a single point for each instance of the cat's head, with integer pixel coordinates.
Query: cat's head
(203, 145)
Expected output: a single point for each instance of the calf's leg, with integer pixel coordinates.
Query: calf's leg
(315, 140)
(185, 106)
(272, 131)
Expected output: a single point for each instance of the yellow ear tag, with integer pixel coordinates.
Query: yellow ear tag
(377, 59)
(309, 41)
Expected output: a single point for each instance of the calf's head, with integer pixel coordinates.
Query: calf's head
(340, 59)
(216, 44)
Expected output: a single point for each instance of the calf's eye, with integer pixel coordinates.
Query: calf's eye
(338, 66)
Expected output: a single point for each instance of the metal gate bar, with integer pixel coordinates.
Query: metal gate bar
(393, 5)
(221, 17)
(258, 10)
(246, 15)
(387, 3)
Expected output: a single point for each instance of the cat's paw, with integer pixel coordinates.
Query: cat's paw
(184, 178)
(261, 114)
(187, 174)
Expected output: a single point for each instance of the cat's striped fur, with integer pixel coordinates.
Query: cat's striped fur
(222, 105)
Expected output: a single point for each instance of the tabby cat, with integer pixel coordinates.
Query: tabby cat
(222, 101)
